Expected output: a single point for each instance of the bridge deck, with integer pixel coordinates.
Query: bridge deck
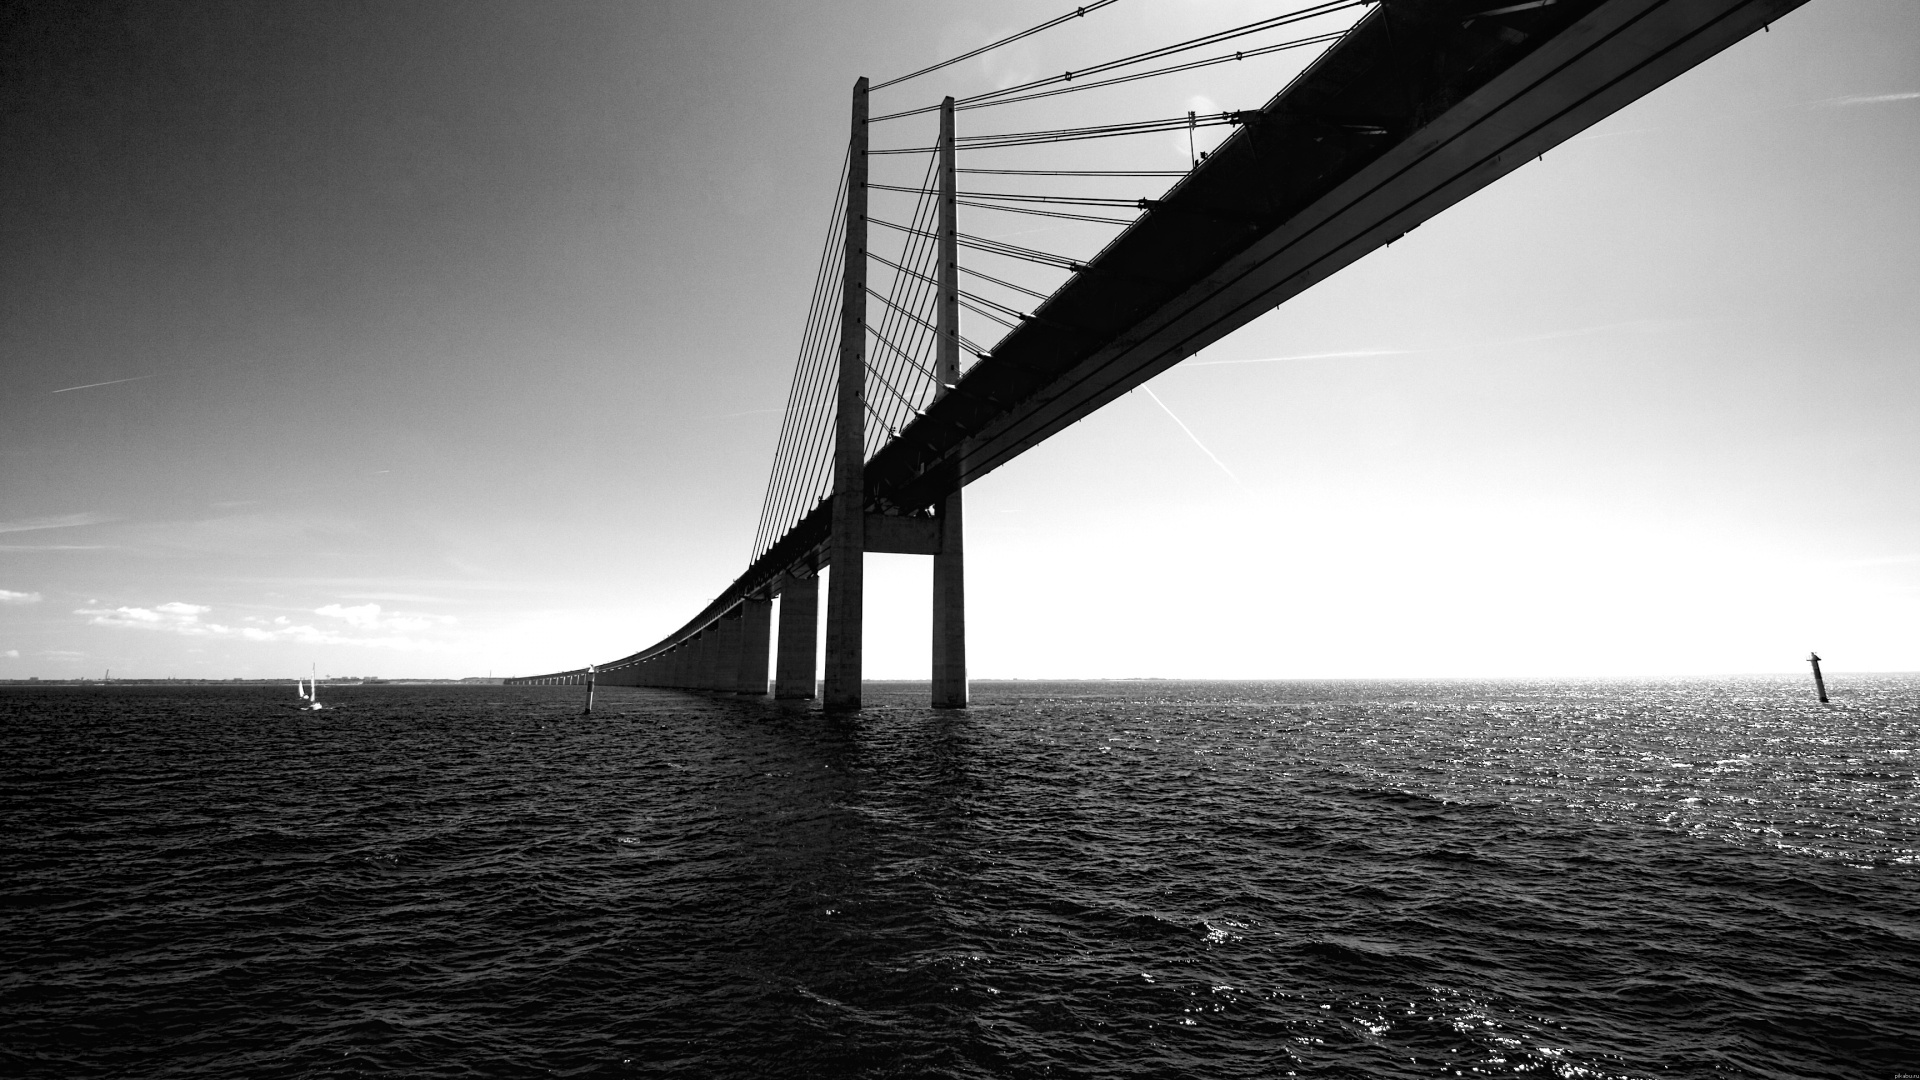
(1421, 104)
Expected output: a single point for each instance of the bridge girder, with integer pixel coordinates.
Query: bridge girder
(1421, 104)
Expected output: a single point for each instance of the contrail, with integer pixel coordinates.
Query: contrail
(749, 412)
(109, 382)
(1302, 356)
(1873, 99)
(1554, 335)
(1191, 435)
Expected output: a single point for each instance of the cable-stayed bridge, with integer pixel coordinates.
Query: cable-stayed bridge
(898, 400)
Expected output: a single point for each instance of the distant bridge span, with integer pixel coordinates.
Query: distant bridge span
(1420, 104)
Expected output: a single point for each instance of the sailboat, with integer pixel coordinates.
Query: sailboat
(309, 691)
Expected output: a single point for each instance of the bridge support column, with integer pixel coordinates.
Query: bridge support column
(799, 636)
(847, 548)
(756, 625)
(711, 666)
(950, 611)
(726, 672)
(949, 565)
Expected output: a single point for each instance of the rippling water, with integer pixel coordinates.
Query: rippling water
(1680, 878)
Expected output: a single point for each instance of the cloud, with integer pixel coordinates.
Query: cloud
(8, 596)
(63, 521)
(11, 654)
(365, 615)
(238, 534)
(182, 618)
(370, 617)
(185, 619)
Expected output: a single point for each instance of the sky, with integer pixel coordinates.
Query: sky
(447, 339)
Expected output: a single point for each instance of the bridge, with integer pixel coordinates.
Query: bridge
(1407, 110)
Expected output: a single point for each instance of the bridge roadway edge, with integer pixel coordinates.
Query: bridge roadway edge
(1613, 53)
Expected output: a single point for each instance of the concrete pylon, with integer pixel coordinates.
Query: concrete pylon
(799, 636)
(847, 548)
(726, 668)
(949, 564)
(756, 625)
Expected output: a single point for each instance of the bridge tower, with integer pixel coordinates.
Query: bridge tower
(847, 548)
(854, 530)
(949, 562)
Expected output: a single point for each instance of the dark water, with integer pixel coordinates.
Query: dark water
(1692, 879)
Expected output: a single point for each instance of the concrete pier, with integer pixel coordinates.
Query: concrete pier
(799, 636)
(950, 611)
(726, 667)
(756, 627)
(847, 546)
(949, 563)
(709, 658)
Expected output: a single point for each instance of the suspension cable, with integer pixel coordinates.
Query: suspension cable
(1045, 213)
(904, 313)
(1010, 39)
(988, 314)
(890, 389)
(1102, 131)
(996, 305)
(996, 247)
(1228, 58)
(1074, 172)
(1001, 247)
(897, 350)
(1066, 200)
(883, 260)
(1301, 15)
(794, 423)
(803, 479)
(1007, 284)
(801, 482)
(993, 97)
(909, 290)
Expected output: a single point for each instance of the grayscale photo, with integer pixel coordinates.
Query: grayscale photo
(970, 539)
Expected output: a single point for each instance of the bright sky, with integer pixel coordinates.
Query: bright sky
(445, 338)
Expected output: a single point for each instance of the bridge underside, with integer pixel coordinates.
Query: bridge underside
(1423, 103)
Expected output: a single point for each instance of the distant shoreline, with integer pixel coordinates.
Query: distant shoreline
(250, 682)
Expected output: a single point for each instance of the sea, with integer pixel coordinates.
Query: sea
(1633, 878)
